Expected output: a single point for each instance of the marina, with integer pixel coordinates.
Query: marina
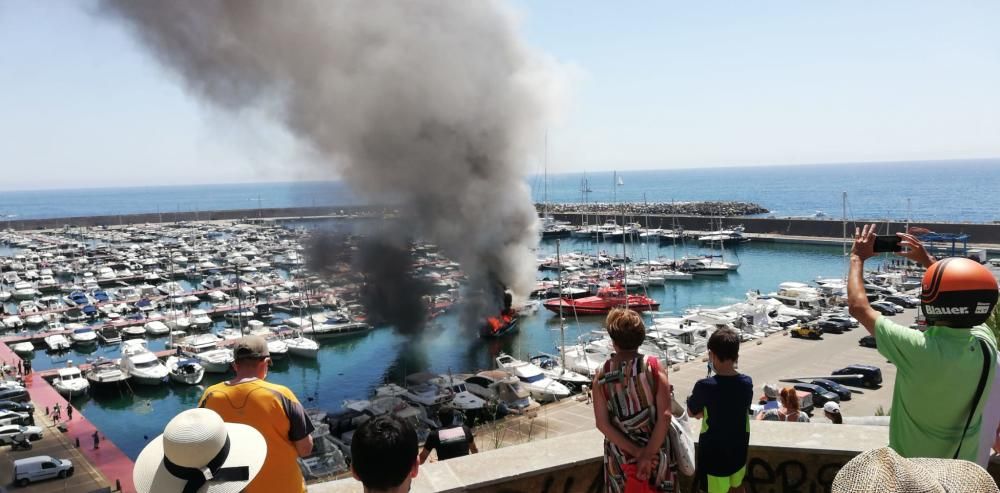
(264, 287)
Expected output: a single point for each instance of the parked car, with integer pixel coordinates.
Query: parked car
(849, 320)
(806, 331)
(16, 394)
(829, 326)
(8, 417)
(867, 341)
(10, 432)
(888, 305)
(844, 393)
(870, 376)
(904, 301)
(21, 407)
(883, 308)
(819, 394)
(40, 467)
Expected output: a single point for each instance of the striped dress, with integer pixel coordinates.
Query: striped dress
(630, 390)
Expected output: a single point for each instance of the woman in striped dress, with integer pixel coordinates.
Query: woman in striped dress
(632, 408)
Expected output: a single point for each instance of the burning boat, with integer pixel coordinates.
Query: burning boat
(502, 324)
(608, 298)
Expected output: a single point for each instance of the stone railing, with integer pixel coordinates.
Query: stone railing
(801, 457)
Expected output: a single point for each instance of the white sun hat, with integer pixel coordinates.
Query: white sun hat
(200, 453)
(883, 471)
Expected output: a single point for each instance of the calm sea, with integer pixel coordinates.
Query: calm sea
(941, 191)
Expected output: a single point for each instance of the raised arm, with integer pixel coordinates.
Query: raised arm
(857, 299)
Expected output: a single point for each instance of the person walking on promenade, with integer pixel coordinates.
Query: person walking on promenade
(723, 403)
(632, 405)
(97, 440)
(452, 440)
(69, 412)
(271, 409)
(384, 455)
(789, 410)
(942, 373)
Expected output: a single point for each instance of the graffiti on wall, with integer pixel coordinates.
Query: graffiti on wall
(790, 476)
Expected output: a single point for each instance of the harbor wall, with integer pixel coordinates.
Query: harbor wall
(823, 228)
(170, 217)
(820, 228)
(783, 457)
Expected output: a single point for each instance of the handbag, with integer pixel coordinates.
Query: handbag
(681, 439)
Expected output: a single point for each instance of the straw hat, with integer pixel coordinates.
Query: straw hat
(883, 470)
(200, 453)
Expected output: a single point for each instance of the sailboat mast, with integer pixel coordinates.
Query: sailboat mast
(562, 321)
(844, 235)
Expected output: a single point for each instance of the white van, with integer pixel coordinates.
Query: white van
(41, 467)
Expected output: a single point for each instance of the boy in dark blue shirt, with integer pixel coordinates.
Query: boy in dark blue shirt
(723, 402)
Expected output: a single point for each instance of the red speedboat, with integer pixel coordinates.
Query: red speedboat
(607, 299)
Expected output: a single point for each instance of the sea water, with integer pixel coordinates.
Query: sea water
(938, 191)
(351, 368)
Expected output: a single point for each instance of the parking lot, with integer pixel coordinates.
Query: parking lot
(84, 479)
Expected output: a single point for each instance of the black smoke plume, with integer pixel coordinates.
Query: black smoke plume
(434, 104)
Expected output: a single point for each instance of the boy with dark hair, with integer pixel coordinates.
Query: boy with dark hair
(384, 455)
(723, 402)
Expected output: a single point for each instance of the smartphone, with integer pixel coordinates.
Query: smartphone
(888, 243)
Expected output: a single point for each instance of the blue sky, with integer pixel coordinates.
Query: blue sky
(654, 85)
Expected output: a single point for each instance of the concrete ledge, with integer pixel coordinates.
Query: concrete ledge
(781, 454)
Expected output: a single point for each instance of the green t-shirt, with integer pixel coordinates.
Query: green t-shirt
(937, 372)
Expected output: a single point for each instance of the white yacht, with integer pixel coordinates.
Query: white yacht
(141, 364)
(70, 382)
(551, 368)
(185, 371)
(541, 387)
(205, 348)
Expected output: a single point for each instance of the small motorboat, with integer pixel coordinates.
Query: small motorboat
(105, 374)
(133, 332)
(57, 342)
(200, 320)
(84, 336)
(23, 348)
(184, 370)
(109, 334)
(156, 328)
(70, 382)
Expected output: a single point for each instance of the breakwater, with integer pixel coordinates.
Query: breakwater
(711, 208)
(824, 228)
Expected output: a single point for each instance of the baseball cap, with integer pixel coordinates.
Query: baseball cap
(250, 347)
(771, 391)
(831, 407)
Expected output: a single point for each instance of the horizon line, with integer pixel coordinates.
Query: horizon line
(625, 170)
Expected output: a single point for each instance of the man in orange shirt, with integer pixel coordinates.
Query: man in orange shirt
(271, 409)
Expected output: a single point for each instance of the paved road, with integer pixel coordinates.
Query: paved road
(780, 357)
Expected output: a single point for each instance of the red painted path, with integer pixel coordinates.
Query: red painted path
(108, 459)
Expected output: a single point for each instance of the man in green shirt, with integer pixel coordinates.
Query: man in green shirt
(938, 371)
